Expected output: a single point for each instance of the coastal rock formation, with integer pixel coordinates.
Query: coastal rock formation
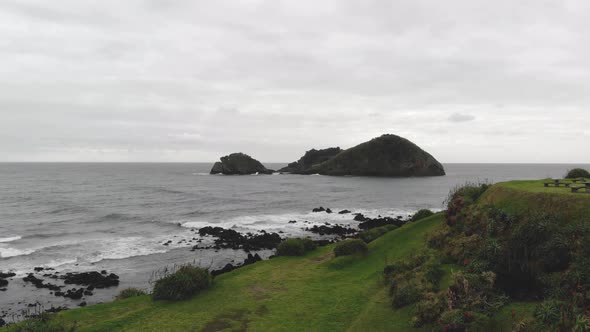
(239, 164)
(388, 155)
(311, 158)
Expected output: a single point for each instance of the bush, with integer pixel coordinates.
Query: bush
(350, 247)
(405, 295)
(184, 283)
(549, 312)
(421, 214)
(295, 247)
(428, 310)
(577, 173)
(372, 234)
(130, 292)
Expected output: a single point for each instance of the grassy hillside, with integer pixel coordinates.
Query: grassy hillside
(316, 292)
(319, 292)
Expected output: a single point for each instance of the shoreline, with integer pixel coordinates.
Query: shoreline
(38, 294)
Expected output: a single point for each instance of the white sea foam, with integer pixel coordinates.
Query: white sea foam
(13, 252)
(9, 239)
(280, 222)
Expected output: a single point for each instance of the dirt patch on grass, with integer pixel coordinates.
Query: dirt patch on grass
(235, 320)
(324, 257)
(260, 292)
(262, 310)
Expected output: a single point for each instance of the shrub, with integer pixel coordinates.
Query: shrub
(433, 273)
(184, 283)
(549, 312)
(577, 173)
(421, 214)
(405, 295)
(372, 234)
(350, 247)
(130, 292)
(295, 247)
(428, 310)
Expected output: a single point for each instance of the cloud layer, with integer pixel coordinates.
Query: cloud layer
(149, 80)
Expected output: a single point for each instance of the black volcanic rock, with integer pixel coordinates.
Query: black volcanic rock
(388, 155)
(93, 279)
(239, 164)
(311, 158)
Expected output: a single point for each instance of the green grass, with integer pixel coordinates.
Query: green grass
(316, 292)
(529, 197)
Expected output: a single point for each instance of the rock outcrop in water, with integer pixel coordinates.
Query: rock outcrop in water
(239, 164)
(388, 155)
(311, 158)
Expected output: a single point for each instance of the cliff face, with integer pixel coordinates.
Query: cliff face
(239, 164)
(311, 158)
(388, 155)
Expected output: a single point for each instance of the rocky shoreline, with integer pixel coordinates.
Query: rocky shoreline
(78, 287)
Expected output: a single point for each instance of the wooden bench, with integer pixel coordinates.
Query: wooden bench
(575, 189)
(556, 183)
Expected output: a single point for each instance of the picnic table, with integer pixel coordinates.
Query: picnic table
(586, 185)
(557, 183)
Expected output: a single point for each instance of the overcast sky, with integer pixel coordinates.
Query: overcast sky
(186, 80)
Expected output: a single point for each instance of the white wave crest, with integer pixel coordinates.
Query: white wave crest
(13, 252)
(9, 239)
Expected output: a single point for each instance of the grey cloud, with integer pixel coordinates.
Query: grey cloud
(196, 79)
(459, 117)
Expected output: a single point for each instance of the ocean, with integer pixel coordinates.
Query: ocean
(117, 216)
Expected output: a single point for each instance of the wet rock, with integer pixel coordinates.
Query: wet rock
(228, 238)
(331, 230)
(3, 283)
(93, 279)
(82, 304)
(251, 259)
(6, 275)
(369, 223)
(227, 268)
(292, 221)
(344, 212)
(74, 294)
(56, 309)
(2, 322)
(328, 210)
(38, 269)
(359, 217)
(320, 209)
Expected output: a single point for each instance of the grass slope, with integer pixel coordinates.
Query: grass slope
(526, 197)
(314, 293)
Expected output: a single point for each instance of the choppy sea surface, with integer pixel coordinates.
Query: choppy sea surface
(117, 216)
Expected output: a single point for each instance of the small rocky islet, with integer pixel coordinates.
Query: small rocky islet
(385, 156)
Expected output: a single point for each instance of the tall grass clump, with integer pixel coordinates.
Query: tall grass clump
(130, 292)
(44, 322)
(350, 247)
(182, 284)
(421, 214)
(374, 233)
(295, 247)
